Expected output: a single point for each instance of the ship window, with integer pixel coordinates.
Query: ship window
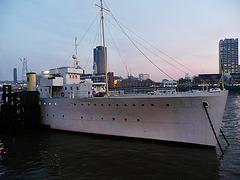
(101, 118)
(125, 105)
(167, 104)
(53, 115)
(44, 103)
(138, 119)
(82, 117)
(77, 87)
(62, 115)
(113, 118)
(50, 103)
(88, 104)
(125, 119)
(116, 104)
(134, 105)
(74, 104)
(47, 114)
(142, 104)
(65, 88)
(152, 104)
(71, 88)
(101, 104)
(41, 89)
(55, 104)
(82, 104)
(95, 104)
(109, 104)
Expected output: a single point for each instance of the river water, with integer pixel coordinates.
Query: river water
(64, 155)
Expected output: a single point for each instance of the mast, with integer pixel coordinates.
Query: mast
(74, 56)
(104, 47)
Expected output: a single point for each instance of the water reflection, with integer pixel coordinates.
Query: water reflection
(62, 155)
(54, 155)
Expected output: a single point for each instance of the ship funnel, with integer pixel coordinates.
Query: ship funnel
(31, 81)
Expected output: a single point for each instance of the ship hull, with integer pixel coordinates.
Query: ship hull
(175, 117)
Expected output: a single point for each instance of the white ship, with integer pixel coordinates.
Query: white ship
(68, 103)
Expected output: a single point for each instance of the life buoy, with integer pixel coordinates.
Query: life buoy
(62, 94)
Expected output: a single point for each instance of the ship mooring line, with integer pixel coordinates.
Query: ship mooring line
(205, 105)
(224, 137)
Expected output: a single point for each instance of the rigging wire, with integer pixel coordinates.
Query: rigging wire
(117, 50)
(154, 47)
(151, 51)
(137, 46)
(91, 49)
(158, 49)
(82, 38)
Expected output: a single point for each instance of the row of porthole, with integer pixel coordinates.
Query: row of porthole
(103, 105)
(117, 104)
(101, 118)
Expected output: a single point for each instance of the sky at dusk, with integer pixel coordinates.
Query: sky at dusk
(188, 31)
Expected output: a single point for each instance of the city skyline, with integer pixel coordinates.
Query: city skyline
(187, 31)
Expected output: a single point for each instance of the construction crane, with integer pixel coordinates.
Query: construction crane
(24, 69)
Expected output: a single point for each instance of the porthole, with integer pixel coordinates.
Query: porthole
(134, 105)
(116, 104)
(167, 104)
(138, 119)
(74, 104)
(62, 115)
(125, 119)
(95, 104)
(152, 104)
(77, 87)
(88, 104)
(113, 118)
(142, 104)
(101, 104)
(53, 115)
(81, 104)
(65, 88)
(125, 105)
(101, 118)
(47, 114)
(109, 104)
(82, 117)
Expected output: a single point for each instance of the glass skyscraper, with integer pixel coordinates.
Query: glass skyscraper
(228, 55)
(99, 64)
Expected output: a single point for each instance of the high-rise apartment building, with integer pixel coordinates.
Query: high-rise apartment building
(15, 75)
(99, 63)
(228, 55)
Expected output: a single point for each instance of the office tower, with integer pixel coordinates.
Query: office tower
(15, 75)
(110, 79)
(99, 63)
(228, 55)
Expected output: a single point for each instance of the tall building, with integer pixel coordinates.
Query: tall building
(99, 63)
(144, 77)
(228, 55)
(15, 75)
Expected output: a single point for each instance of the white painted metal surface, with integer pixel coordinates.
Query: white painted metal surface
(169, 117)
